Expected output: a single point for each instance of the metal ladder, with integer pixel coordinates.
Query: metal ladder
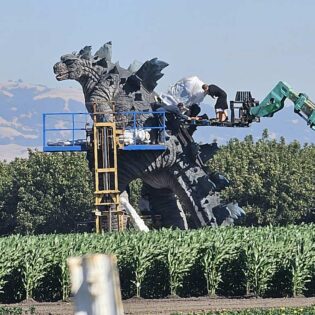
(107, 194)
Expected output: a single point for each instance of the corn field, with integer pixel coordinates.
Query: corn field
(269, 261)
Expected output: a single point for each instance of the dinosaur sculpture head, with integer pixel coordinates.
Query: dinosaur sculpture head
(74, 66)
(105, 83)
(69, 68)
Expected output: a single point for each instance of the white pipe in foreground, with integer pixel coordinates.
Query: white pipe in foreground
(95, 285)
(134, 216)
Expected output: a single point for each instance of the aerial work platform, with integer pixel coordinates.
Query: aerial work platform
(66, 132)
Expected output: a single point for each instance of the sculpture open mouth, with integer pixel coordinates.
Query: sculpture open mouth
(62, 76)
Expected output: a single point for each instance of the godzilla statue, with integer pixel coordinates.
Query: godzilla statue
(179, 186)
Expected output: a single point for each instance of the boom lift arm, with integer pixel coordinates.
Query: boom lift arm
(274, 102)
(246, 110)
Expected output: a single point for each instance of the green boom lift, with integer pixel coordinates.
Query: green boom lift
(245, 109)
(274, 102)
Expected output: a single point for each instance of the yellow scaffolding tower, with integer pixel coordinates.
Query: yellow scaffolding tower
(109, 215)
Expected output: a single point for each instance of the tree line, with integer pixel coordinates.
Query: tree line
(272, 180)
(45, 193)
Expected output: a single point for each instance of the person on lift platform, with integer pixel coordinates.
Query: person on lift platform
(221, 104)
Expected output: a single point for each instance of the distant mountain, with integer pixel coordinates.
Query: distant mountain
(23, 104)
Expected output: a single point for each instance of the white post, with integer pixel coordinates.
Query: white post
(95, 285)
(135, 218)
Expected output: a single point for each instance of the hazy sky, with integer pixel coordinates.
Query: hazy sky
(237, 44)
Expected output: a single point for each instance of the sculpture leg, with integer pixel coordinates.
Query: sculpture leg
(165, 203)
(196, 193)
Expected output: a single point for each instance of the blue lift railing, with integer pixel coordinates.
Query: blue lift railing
(158, 127)
(72, 136)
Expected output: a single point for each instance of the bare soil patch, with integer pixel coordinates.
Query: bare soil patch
(171, 305)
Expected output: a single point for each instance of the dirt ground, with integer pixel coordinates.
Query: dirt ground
(168, 306)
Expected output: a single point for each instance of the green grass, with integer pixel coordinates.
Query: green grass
(5, 310)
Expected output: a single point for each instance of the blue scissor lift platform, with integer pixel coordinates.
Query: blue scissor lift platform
(66, 132)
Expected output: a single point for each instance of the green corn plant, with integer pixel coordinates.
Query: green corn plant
(65, 246)
(301, 262)
(219, 250)
(144, 253)
(261, 262)
(297, 254)
(9, 257)
(35, 263)
(181, 254)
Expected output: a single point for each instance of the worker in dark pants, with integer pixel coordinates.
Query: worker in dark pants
(221, 104)
(193, 113)
(174, 114)
(194, 110)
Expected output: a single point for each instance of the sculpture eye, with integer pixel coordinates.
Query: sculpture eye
(69, 62)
